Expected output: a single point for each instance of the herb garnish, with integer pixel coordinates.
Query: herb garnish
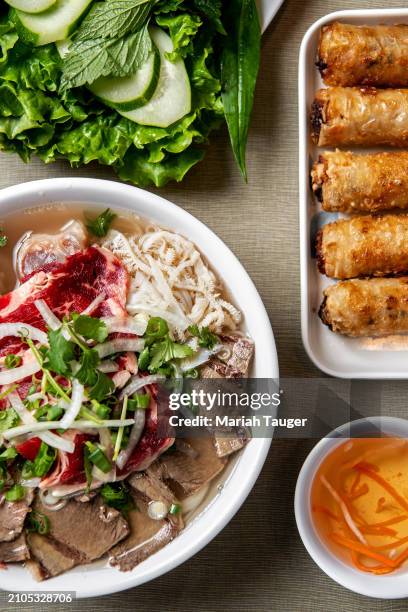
(38, 522)
(3, 239)
(117, 496)
(41, 464)
(113, 40)
(100, 226)
(12, 361)
(206, 339)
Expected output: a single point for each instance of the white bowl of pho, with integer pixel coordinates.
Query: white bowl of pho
(107, 291)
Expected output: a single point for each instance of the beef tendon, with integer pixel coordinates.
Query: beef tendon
(349, 182)
(367, 307)
(360, 116)
(350, 55)
(366, 245)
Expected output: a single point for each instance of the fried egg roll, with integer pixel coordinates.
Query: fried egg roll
(366, 117)
(369, 307)
(363, 246)
(351, 55)
(346, 182)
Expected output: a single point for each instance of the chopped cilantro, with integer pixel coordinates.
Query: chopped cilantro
(100, 226)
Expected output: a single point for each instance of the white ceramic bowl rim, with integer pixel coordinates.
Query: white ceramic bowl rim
(89, 582)
(389, 586)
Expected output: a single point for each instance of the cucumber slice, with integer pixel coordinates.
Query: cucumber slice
(129, 93)
(54, 24)
(172, 98)
(31, 6)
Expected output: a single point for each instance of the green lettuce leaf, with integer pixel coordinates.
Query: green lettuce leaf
(38, 118)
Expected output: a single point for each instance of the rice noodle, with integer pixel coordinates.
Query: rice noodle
(170, 279)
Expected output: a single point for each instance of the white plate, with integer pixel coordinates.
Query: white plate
(268, 9)
(332, 353)
(97, 579)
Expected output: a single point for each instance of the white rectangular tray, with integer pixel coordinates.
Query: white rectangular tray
(336, 355)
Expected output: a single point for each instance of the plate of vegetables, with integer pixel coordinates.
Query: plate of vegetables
(137, 85)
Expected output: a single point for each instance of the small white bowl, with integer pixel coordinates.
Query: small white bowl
(97, 578)
(388, 586)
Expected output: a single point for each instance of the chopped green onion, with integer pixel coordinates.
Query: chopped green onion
(98, 458)
(144, 359)
(41, 464)
(7, 391)
(9, 453)
(191, 373)
(54, 413)
(12, 361)
(139, 401)
(14, 494)
(102, 410)
(175, 509)
(117, 496)
(39, 522)
(118, 442)
(87, 467)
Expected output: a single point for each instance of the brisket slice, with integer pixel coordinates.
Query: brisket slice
(190, 473)
(14, 551)
(147, 536)
(12, 517)
(79, 534)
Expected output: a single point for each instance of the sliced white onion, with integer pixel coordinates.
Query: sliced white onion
(137, 383)
(125, 325)
(77, 397)
(39, 426)
(108, 367)
(199, 359)
(157, 510)
(134, 437)
(36, 396)
(28, 419)
(50, 502)
(51, 320)
(94, 304)
(171, 318)
(23, 329)
(119, 345)
(7, 377)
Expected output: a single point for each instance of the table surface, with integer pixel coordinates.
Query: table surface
(258, 561)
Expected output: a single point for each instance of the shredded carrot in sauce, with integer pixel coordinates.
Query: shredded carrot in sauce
(354, 483)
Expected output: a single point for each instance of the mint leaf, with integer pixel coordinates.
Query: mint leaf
(86, 61)
(129, 53)
(60, 353)
(91, 328)
(101, 225)
(114, 18)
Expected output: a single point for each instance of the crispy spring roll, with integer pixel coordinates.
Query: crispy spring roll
(363, 246)
(371, 307)
(366, 117)
(350, 55)
(346, 182)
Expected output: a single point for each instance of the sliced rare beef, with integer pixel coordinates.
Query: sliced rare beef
(79, 533)
(14, 551)
(147, 536)
(66, 288)
(191, 473)
(12, 517)
(38, 250)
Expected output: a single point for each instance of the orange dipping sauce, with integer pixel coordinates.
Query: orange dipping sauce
(359, 503)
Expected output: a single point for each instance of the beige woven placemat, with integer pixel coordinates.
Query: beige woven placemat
(257, 562)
